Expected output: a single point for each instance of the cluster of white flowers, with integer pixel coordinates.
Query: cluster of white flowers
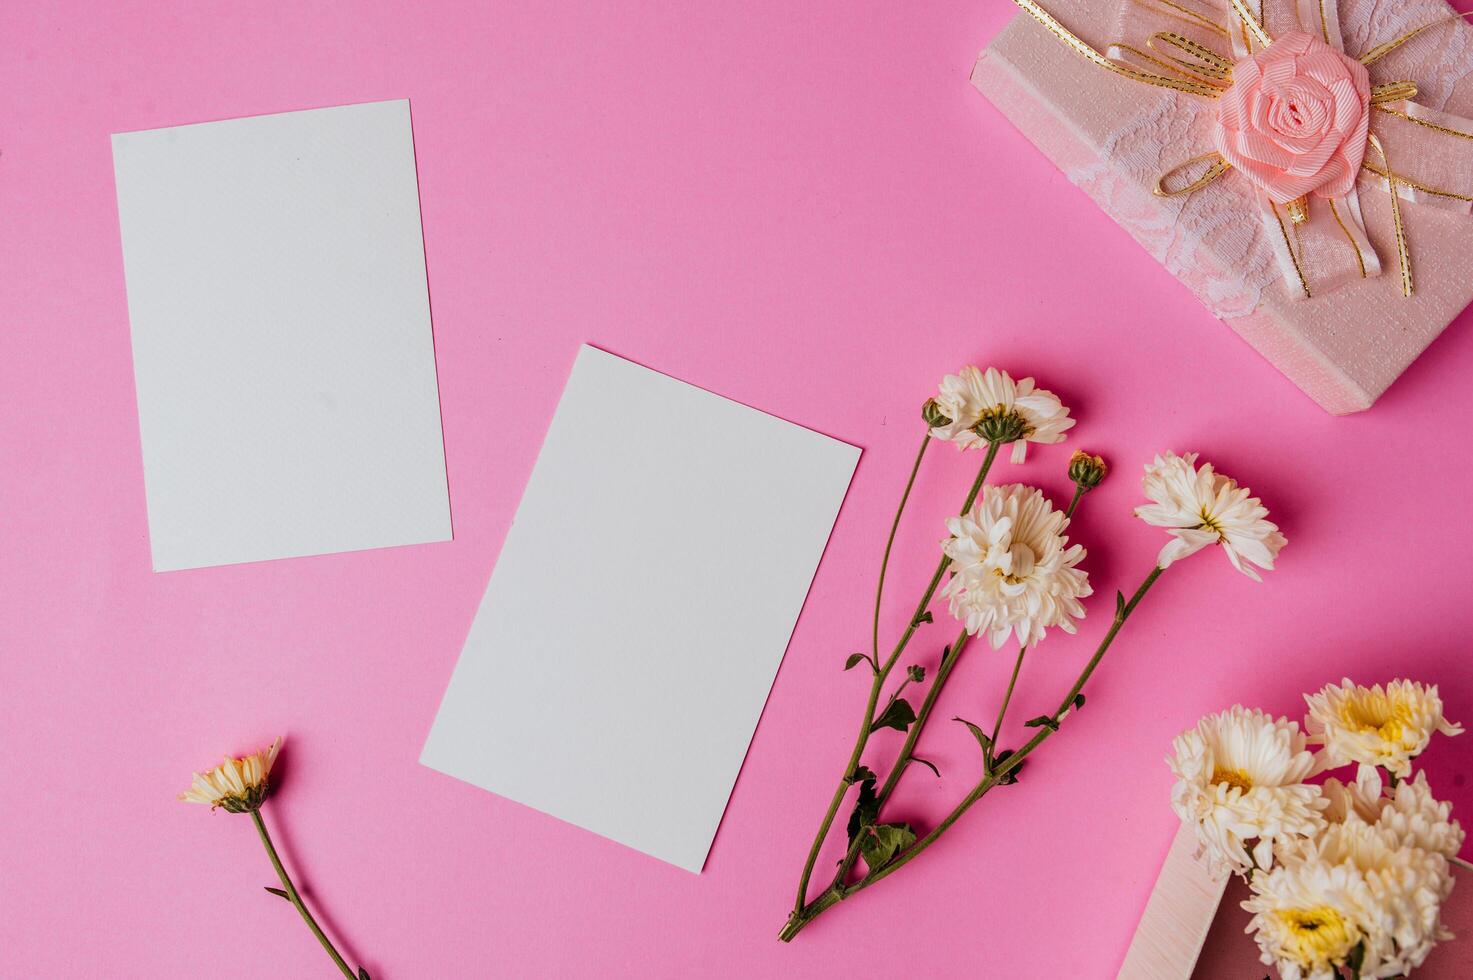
(1013, 571)
(1342, 874)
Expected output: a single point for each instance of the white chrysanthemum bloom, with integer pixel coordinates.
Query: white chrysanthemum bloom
(1402, 920)
(1418, 819)
(1201, 507)
(1307, 917)
(1012, 568)
(238, 785)
(1376, 727)
(1241, 777)
(972, 395)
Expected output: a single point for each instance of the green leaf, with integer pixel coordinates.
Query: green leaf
(862, 773)
(882, 843)
(1079, 700)
(363, 974)
(278, 891)
(858, 658)
(898, 715)
(1008, 778)
(1042, 721)
(866, 809)
(1119, 605)
(928, 764)
(924, 617)
(917, 672)
(977, 733)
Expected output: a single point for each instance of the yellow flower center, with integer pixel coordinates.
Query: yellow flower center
(1209, 523)
(1232, 778)
(1387, 719)
(1315, 936)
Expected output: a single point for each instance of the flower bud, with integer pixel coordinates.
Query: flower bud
(932, 414)
(998, 426)
(1085, 470)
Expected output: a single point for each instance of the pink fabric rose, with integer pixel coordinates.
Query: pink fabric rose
(1295, 119)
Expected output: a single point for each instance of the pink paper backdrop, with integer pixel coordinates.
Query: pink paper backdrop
(801, 206)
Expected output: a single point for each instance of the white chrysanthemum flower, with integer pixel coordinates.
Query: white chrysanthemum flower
(972, 395)
(1376, 727)
(238, 785)
(1418, 819)
(1012, 568)
(1201, 507)
(1402, 920)
(1307, 917)
(1240, 778)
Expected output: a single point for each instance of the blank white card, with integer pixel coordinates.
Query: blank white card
(639, 609)
(282, 349)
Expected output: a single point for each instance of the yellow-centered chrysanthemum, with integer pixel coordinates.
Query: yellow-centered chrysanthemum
(1376, 727)
(1308, 917)
(1401, 911)
(238, 785)
(1013, 570)
(1240, 785)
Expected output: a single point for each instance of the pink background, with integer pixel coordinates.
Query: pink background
(804, 207)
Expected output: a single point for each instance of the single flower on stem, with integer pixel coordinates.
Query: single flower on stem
(1375, 726)
(1201, 507)
(241, 785)
(1013, 570)
(973, 406)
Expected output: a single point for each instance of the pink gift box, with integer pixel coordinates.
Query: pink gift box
(1114, 137)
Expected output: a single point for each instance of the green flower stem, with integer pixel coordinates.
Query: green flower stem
(296, 899)
(953, 653)
(1008, 696)
(806, 914)
(890, 542)
(1079, 491)
(876, 685)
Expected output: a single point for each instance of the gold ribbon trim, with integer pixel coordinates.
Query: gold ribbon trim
(1058, 30)
(1218, 167)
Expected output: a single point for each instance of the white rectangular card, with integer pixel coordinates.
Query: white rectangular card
(282, 350)
(640, 607)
